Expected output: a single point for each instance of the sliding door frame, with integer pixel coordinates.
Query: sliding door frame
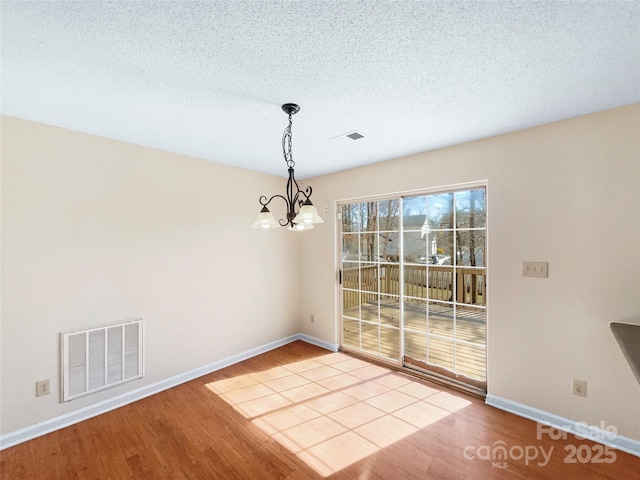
(339, 303)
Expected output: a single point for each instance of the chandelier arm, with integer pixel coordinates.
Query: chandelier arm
(264, 202)
(292, 194)
(307, 195)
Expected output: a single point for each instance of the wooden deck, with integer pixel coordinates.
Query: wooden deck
(363, 331)
(364, 283)
(371, 312)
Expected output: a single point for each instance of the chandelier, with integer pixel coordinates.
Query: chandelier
(307, 215)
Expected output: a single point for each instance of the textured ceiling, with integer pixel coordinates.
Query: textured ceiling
(207, 79)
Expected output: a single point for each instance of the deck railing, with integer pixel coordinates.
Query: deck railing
(363, 284)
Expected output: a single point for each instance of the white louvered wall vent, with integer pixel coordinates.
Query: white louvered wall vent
(101, 357)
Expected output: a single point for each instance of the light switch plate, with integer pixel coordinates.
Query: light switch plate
(535, 269)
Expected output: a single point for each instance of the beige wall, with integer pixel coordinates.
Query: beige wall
(567, 193)
(96, 231)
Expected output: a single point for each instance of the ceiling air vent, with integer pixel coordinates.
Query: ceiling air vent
(349, 137)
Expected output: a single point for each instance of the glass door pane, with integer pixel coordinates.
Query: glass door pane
(370, 277)
(444, 262)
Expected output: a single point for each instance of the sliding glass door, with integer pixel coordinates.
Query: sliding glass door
(413, 271)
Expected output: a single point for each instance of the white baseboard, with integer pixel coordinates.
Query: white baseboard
(580, 429)
(318, 343)
(62, 421)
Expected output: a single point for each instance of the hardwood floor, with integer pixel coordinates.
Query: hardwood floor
(300, 412)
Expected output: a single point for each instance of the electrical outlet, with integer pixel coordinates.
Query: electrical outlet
(312, 318)
(43, 388)
(535, 269)
(579, 387)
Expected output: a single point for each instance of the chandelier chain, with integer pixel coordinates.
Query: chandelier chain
(286, 145)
